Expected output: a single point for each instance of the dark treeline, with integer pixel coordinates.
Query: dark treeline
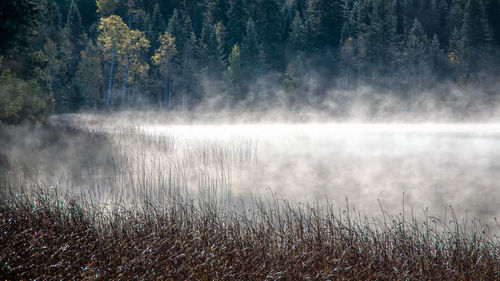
(67, 55)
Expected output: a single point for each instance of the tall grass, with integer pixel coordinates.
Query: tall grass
(150, 207)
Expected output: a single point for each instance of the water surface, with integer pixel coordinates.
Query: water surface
(432, 165)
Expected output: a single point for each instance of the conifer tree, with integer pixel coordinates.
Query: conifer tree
(236, 22)
(414, 54)
(163, 58)
(157, 26)
(455, 48)
(268, 25)
(89, 75)
(233, 73)
(74, 27)
(73, 39)
(381, 37)
(436, 58)
(250, 52)
(209, 50)
(220, 32)
(475, 36)
(176, 29)
(297, 39)
(325, 22)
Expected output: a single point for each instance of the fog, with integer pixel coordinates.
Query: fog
(423, 168)
(430, 166)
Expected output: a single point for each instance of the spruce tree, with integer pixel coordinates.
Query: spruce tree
(325, 22)
(268, 25)
(297, 38)
(209, 50)
(475, 36)
(414, 54)
(176, 29)
(436, 58)
(250, 52)
(74, 23)
(157, 25)
(236, 22)
(380, 37)
(233, 74)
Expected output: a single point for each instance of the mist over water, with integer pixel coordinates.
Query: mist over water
(432, 165)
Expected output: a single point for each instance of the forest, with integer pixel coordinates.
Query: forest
(71, 55)
(249, 139)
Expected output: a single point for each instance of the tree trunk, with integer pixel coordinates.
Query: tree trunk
(125, 79)
(110, 84)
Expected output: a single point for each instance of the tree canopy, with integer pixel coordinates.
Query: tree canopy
(116, 53)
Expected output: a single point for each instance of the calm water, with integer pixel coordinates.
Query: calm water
(432, 165)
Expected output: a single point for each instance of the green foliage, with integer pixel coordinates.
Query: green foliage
(74, 99)
(297, 40)
(291, 80)
(269, 22)
(436, 58)
(89, 75)
(325, 21)
(415, 51)
(236, 24)
(157, 26)
(476, 38)
(113, 35)
(166, 52)
(176, 29)
(233, 72)
(210, 56)
(381, 36)
(251, 54)
(74, 47)
(106, 8)
(20, 100)
(17, 23)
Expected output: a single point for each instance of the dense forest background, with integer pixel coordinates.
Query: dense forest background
(69, 55)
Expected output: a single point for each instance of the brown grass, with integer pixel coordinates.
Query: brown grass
(48, 233)
(44, 238)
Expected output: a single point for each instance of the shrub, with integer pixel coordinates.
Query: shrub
(20, 100)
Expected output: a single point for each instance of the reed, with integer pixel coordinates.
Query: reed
(143, 207)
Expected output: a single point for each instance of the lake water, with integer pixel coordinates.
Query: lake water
(431, 165)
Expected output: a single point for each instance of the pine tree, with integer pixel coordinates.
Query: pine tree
(233, 73)
(236, 22)
(250, 52)
(414, 54)
(157, 26)
(220, 32)
(325, 22)
(163, 58)
(73, 99)
(157, 21)
(74, 39)
(268, 25)
(89, 75)
(455, 47)
(492, 8)
(436, 58)
(476, 37)
(297, 39)
(176, 29)
(380, 37)
(209, 50)
(74, 27)
(88, 12)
